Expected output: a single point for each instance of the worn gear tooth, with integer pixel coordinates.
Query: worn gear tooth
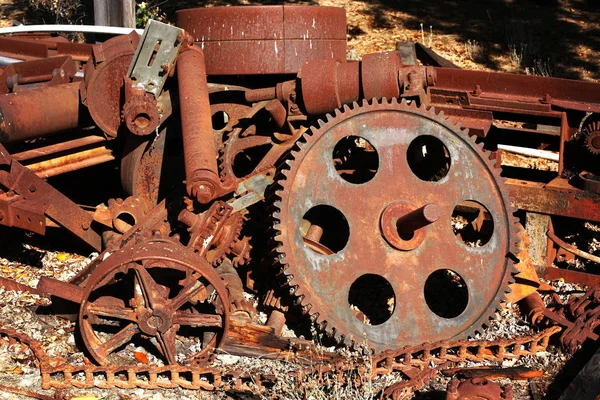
(320, 122)
(337, 112)
(394, 100)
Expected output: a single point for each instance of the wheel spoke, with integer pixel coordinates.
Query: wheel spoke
(111, 311)
(118, 340)
(198, 320)
(166, 343)
(186, 294)
(151, 290)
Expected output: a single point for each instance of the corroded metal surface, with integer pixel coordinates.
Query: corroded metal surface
(265, 39)
(323, 282)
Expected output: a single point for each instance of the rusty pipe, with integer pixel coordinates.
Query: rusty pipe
(72, 162)
(199, 147)
(40, 112)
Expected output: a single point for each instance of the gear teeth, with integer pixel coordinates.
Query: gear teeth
(306, 300)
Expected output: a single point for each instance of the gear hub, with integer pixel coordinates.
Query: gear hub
(374, 207)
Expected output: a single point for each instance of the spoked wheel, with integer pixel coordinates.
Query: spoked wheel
(157, 295)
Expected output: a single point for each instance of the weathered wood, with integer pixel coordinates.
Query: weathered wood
(252, 340)
(537, 225)
(114, 13)
(586, 385)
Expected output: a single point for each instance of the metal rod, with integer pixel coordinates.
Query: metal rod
(57, 148)
(107, 30)
(572, 249)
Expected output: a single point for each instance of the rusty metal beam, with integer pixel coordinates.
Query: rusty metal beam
(555, 198)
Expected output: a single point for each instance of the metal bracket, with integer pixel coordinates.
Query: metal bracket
(154, 56)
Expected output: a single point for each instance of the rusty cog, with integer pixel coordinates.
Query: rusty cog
(367, 236)
(592, 137)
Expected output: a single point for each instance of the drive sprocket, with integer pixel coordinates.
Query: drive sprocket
(388, 221)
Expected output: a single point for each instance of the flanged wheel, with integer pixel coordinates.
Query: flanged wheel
(393, 227)
(158, 295)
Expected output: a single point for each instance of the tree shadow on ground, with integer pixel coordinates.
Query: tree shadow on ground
(545, 36)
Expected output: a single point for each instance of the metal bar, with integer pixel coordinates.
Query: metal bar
(572, 249)
(555, 198)
(107, 30)
(568, 275)
(58, 148)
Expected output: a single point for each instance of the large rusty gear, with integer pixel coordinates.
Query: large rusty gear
(378, 213)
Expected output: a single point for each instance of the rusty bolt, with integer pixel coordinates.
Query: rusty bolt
(203, 192)
(85, 226)
(32, 188)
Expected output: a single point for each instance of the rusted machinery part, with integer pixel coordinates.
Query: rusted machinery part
(477, 388)
(329, 84)
(235, 289)
(265, 39)
(572, 249)
(125, 214)
(592, 137)
(199, 147)
(141, 114)
(244, 143)
(361, 241)
(36, 113)
(102, 89)
(214, 233)
(152, 289)
(582, 320)
(142, 165)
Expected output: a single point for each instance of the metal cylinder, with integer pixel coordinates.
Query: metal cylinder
(379, 75)
(329, 84)
(418, 218)
(199, 145)
(39, 112)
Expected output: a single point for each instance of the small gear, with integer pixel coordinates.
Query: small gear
(225, 239)
(592, 137)
(140, 114)
(384, 235)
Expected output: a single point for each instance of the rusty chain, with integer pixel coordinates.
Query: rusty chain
(416, 363)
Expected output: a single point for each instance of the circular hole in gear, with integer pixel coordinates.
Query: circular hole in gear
(355, 159)
(446, 293)
(325, 229)
(428, 158)
(372, 299)
(220, 120)
(472, 223)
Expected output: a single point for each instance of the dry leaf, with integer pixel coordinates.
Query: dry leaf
(141, 357)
